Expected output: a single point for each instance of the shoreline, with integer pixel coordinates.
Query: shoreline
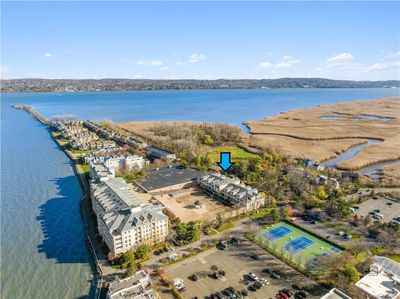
(83, 183)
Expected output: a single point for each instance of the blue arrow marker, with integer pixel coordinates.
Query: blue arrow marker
(225, 161)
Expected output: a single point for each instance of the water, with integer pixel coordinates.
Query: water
(231, 106)
(363, 116)
(43, 252)
(350, 153)
(42, 239)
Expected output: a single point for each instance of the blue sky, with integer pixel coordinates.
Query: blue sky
(200, 40)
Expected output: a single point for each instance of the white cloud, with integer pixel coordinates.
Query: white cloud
(265, 64)
(287, 62)
(393, 55)
(4, 69)
(48, 55)
(149, 62)
(192, 59)
(340, 58)
(164, 68)
(345, 66)
(383, 66)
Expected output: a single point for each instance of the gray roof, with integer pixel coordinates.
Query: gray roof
(132, 281)
(121, 210)
(335, 294)
(168, 176)
(388, 265)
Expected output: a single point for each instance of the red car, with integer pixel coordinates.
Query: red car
(284, 295)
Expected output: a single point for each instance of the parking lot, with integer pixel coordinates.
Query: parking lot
(388, 208)
(237, 261)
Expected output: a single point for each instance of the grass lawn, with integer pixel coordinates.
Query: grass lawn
(226, 226)
(79, 151)
(261, 213)
(85, 168)
(236, 153)
(301, 257)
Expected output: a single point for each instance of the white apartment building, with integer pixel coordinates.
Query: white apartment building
(232, 191)
(383, 280)
(137, 286)
(124, 222)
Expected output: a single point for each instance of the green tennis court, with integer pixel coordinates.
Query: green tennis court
(295, 244)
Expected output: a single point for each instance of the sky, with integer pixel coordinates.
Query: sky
(200, 40)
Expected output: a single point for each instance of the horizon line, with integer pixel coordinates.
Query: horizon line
(196, 79)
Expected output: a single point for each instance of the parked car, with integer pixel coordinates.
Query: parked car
(288, 292)
(252, 276)
(264, 281)
(194, 277)
(255, 257)
(283, 295)
(267, 270)
(245, 292)
(300, 295)
(275, 275)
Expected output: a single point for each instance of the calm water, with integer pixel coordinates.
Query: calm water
(350, 153)
(232, 106)
(43, 253)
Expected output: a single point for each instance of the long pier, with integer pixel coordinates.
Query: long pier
(85, 197)
(32, 112)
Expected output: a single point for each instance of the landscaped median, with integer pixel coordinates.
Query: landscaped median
(193, 252)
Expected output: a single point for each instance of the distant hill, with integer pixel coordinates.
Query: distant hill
(69, 85)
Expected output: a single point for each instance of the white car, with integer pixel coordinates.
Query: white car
(253, 276)
(264, 281)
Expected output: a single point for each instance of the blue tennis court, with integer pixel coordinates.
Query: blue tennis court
(335, 250)
(298, 244)
(277, 232)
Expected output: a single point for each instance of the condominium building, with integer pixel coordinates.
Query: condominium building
(124, 222)
(382, 281)
(137, 286)
(231, 191)
(119, 162)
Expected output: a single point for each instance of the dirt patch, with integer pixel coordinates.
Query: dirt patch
(184, 205)
(321, 132)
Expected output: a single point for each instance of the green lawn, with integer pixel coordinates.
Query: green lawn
(236, 153)
(85, 168)
(261, 213)
(300, 258)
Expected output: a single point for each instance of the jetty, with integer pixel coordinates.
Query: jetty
(32, 112)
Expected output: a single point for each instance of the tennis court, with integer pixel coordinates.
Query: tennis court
(294, 243)
(298, 244)
(277, 232)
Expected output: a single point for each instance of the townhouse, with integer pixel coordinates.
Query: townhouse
(231, 191)
(160, 153)
(121, 163)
